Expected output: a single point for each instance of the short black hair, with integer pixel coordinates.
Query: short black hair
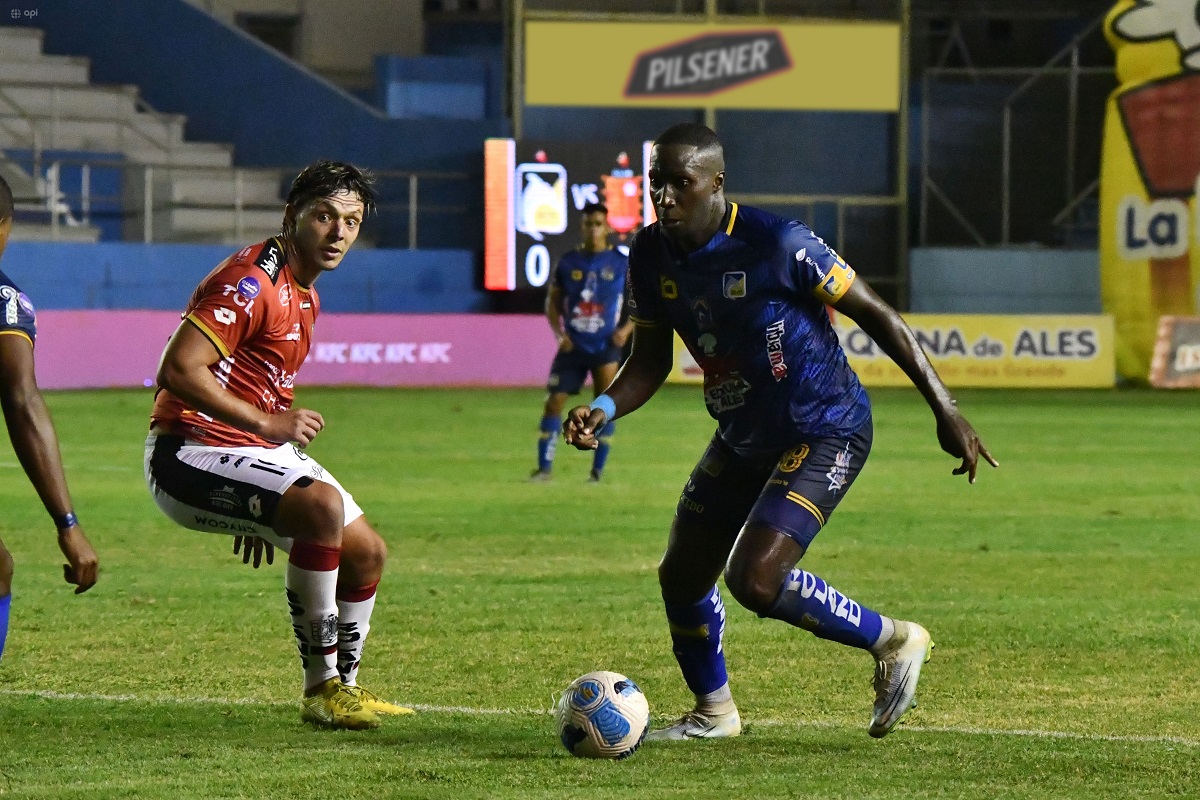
(593, 208)
(692, 134)
(327, 178)
(6, 200)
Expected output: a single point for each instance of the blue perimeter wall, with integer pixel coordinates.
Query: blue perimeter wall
(112, 275)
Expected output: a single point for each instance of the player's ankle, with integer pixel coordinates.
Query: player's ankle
(717, 703)
(886, 632)
(320, 687)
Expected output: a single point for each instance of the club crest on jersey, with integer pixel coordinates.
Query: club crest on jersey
(285, 295)
(248, 288)
(270, 260)
(702, 313)
(607, 274)
(775, 350)
(733, 285)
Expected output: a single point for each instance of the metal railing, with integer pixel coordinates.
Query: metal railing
(148, 206)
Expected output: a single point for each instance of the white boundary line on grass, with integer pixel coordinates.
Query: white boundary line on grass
(966, 730)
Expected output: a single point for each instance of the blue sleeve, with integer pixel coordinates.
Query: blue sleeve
(814, 267)
(645, 303)
(16, 312)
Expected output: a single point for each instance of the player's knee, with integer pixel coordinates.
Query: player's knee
(6, 571)
(752, 588)
(372, 553)
(554, 405)
(313, 511)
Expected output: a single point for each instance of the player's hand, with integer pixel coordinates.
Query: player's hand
(255, 546)
(565, 345)
(299, 425)
(959, 439)
(82, 567)
(582, 425)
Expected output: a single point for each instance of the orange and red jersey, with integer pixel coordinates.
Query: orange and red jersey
(261, 321)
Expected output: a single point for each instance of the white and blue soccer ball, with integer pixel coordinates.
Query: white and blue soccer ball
(602, 715)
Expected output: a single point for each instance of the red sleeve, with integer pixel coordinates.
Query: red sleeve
(231, 306)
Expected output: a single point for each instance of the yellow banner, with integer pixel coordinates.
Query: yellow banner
(1150, 228)
(813, 65)
(978, 351)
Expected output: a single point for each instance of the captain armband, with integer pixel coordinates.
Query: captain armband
(836, 283)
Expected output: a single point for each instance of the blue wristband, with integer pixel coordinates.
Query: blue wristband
(67, 520)
(605, 404)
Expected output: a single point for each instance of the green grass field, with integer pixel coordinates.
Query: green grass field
(1062, 591)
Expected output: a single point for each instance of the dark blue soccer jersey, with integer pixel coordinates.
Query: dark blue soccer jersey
(592, 287)
(16, 312)
(750, 306)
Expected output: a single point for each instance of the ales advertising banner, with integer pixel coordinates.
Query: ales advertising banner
(823, 66)
(979, 351)
(1150, 231)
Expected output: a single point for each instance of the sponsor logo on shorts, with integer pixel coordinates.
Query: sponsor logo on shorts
(839, 473)
(775, 350)
(224, 525)
(255, 506)
(225, 498)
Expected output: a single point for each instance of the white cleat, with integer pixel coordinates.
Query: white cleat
(897, 671)
(695, 725)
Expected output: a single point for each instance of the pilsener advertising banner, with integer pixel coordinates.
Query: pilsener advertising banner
(978, 351)
(1150, 228)
(827, 66)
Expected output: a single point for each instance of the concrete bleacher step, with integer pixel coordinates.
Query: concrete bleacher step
(86, 101)
(185, 221)
(44, 232)
(197, 187)
(60, 70)
(21, 44)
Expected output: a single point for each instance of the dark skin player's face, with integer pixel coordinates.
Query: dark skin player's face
(687, 187)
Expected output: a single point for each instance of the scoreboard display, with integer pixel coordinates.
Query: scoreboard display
(535, 193)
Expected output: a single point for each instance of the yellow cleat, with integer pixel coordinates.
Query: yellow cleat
(372, 702)
(335, 705)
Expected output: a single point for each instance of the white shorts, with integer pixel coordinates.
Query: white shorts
(230, 490)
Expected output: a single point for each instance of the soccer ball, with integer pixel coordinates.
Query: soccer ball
(602, 715)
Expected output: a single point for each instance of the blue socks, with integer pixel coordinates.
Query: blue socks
(696, 632)
(808, 602)
(5, 603)
(601, 456)
(547, 440)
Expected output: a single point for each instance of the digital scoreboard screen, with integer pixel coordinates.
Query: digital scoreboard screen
(535, 193)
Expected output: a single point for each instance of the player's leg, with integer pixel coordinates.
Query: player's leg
(6, 573)
(804, 491)
(548, 431)
(714, 502)
(364, 554)
(602, 376)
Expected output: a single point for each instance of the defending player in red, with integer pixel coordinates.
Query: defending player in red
(32, 432)
(225, 452)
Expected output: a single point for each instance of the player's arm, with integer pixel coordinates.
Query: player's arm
(644, 371)
(554, 315)
(36, 445)
(185, 371)
(884, 325)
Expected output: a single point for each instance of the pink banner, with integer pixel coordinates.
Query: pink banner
(95, 349)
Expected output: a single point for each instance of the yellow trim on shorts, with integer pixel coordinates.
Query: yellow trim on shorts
(801, 500)
(207, 331)
(18, 333)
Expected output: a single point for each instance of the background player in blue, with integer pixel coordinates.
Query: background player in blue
(584, 305)
(32, 432)
(747, 292)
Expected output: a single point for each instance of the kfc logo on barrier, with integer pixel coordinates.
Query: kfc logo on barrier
(708, 64)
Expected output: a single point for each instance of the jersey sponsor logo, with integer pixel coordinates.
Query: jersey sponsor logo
(294, 335)
(270, 260)
(775, 350)
(9, 295)
(607, 274)
(248, 288)
(733, 285)
(707, 344)
(239, 298)
(839, 473)
(727, 394)
(708, 64)
(225, 316)
(576, 274)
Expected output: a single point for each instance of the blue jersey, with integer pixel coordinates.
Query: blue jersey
(592, 294)
(16, 312)
(750, 306)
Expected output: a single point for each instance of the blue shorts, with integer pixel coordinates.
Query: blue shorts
(794, 492)
(570, 370)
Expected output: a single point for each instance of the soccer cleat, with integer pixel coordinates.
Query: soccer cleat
(333, 705)
(373, 702)
(594, 477)
(540, 476)
(695, 725)
(897, 671)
